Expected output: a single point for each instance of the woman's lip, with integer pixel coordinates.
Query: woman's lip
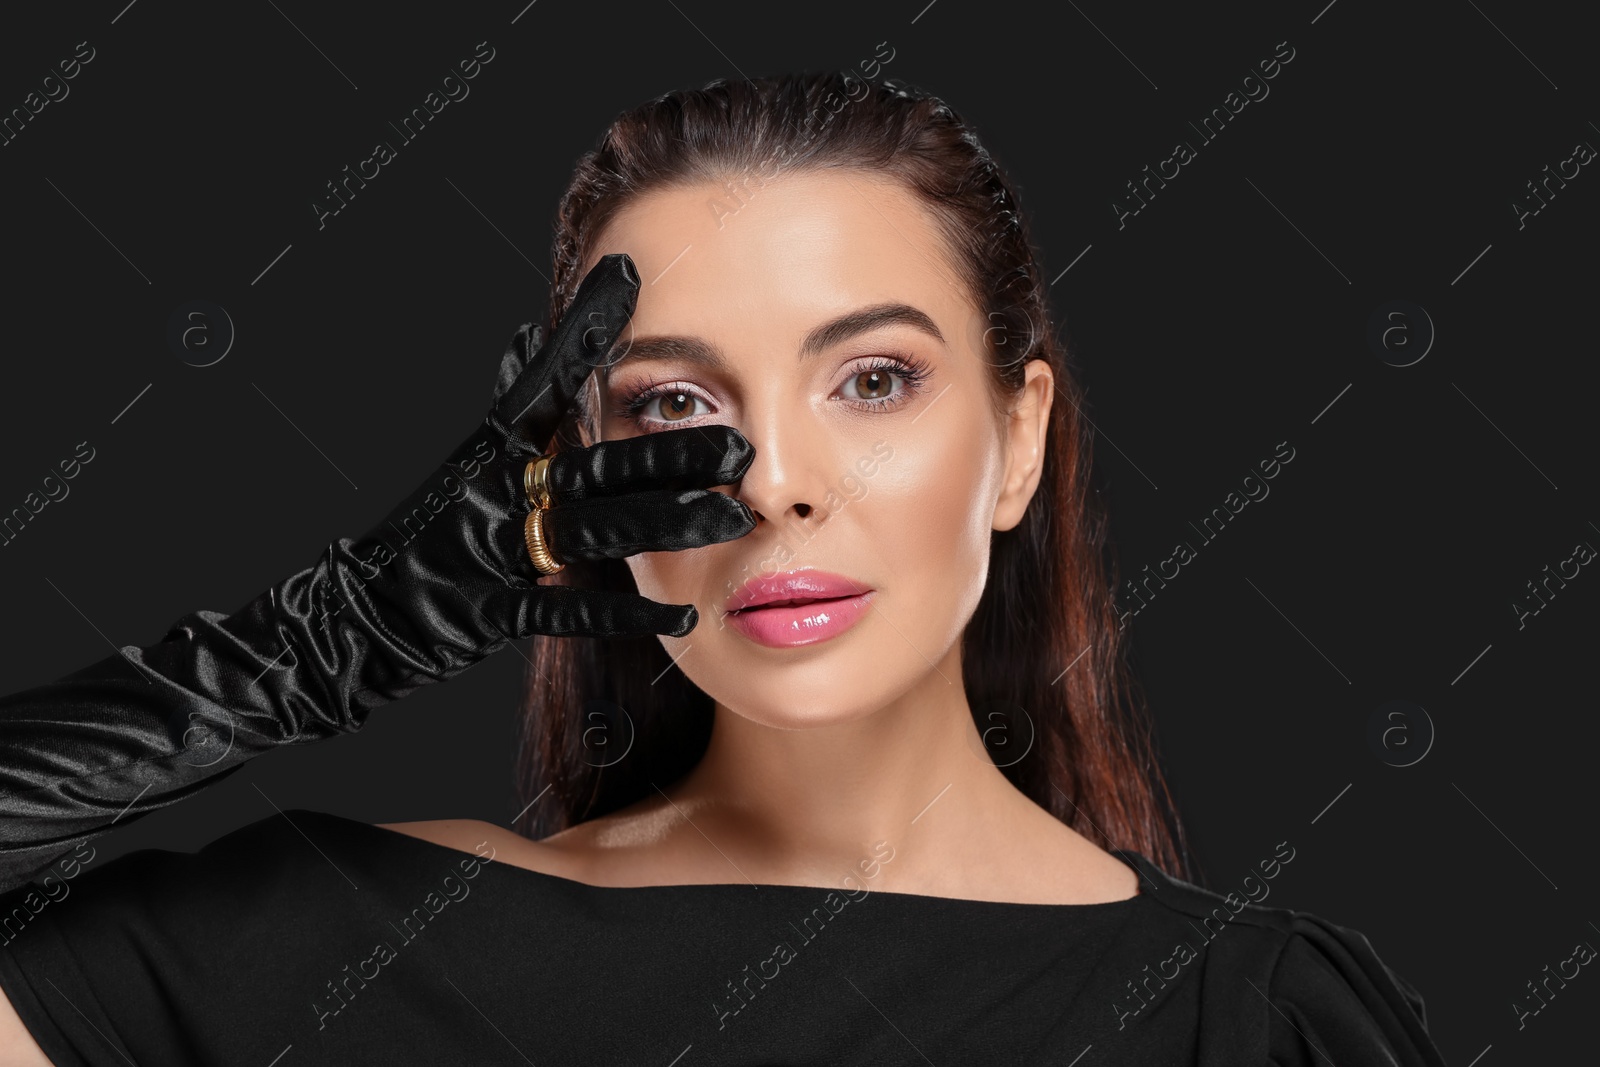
(806, 583)
(804, 624)
(790, 602)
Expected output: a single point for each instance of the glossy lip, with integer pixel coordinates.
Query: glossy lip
(805, 584)
(834, 605)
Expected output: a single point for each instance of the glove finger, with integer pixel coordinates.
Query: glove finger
(532, 406)
(564, 611)
(661, 520)
(527, 340)
(693, 457)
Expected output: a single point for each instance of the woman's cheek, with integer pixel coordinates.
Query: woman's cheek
(687, 577)
(648, 576)
(938, 496)
(923, 488)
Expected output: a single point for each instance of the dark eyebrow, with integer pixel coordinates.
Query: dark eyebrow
(699, 351)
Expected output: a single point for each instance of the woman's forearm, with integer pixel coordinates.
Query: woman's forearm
(440, 583)
(307, 659)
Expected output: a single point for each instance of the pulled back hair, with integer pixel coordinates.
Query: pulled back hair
(607, 722)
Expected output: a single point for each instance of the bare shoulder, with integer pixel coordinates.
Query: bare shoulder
(490, 840)
(1111, 878)
(1106, 877)
(17, 1046)
(1062, 866)
(464, 834)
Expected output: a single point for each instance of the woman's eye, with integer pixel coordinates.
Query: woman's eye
(872, 388)
(673, 405)
(875, 384)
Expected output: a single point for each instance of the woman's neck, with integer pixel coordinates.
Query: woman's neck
(911, 779)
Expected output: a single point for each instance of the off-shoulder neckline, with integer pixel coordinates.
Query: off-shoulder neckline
(1150, 876)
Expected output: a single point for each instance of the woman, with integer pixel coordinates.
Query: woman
(827, 647)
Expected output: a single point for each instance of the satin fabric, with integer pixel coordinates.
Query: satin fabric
(442, 582)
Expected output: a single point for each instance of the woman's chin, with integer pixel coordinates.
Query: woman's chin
(801, 696)
(802, 714)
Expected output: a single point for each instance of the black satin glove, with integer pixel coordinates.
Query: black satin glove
(442, 582)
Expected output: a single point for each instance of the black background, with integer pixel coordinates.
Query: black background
(1229, 315)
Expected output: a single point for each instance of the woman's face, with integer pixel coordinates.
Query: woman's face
(879, 457)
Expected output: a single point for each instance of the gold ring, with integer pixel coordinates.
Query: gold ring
(536, 481)
(538, 549)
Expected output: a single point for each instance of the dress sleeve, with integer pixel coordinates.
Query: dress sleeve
(76, 949)
(1333, 1000)
(184, 959)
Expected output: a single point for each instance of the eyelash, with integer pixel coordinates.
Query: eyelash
(912, 371)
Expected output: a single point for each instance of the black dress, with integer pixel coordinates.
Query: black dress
(309, 938)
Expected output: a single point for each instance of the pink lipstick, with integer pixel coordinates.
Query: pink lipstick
(797, 608)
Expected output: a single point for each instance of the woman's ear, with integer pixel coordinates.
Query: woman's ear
(1024, 439)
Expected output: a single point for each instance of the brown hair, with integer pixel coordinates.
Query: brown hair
(608, 721)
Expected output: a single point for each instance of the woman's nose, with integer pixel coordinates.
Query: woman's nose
(787, 479)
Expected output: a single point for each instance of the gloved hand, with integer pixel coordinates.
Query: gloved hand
(441, 583)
